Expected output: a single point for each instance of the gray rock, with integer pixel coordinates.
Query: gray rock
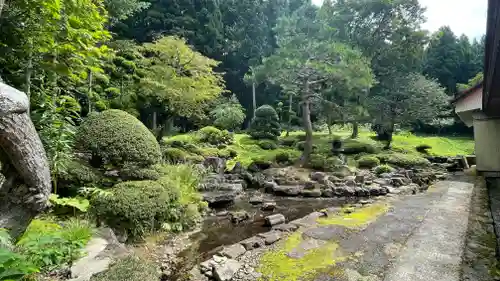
(195, 274)
(334, 179)
(315, 193)
(382, 182)
(233, 251)
(327, 193)
(252, 243)
(317, 176)
(219, 197)
(215, 164)
(360, 179)
(206, 266)
(397, 181)
(311, 185)
(342, 171)
(227, 270)
(239, 216)
(287, 227)
(222, 213)
(287, 190)
(325, 233)
(84, 268)
(270, 237)
(276, 219)
(386, 175)
(218, 260)
(233, 187)
(351, 183)
(256, 199)
(270, 186)
(268, 206)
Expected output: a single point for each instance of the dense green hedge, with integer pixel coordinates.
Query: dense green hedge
(117, 137)
(368, 161)
(265, 125)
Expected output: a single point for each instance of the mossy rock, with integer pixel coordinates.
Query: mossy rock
(382, 169)
(288, 141)
(351, 147)
(368, 162)
(114, 136)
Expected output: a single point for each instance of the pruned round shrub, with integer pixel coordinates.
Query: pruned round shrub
(214, 136)
(403, 160)
(355, 147)
(265, 124)
(138, 207)
(368, 162)
(174, 155)
(79, 172)
(282, 157)
(382, 169)
(114, 136)
(423, 148)
(138, 173)
(288, 141)
(323, 163)
(268, 145)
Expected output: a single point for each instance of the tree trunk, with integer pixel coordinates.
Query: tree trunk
(25, 191)
(254, 101)
(306, 119)
(290, 111)
(355, 130)
(2, 3)
(27, 74)
(154, 124)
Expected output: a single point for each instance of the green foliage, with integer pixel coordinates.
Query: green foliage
(214, 136)
(301, 144)
(80, 204)
(117, 137)
(80, 173)
(228, 115)
(356, 147)
(14, 267)
(288, 141)
(368, 162)
(130, 268)
(283, 158)
(162, 202)
(403, 160)
(381, 169)
(49, 245)
(265, 125)
(174, 155)
(131, 172)
(323, 163)
(268, 144)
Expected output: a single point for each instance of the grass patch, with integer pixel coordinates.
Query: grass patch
(276, 265)
(358, 218)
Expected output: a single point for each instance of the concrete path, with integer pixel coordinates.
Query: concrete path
(422, 237)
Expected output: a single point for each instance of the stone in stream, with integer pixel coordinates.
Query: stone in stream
(317, 176)
(215, 164)
(270, 237)
(252, 243)
(270, 186)
(273, 220)
(226, 270)
(256, 199)
(315, 193)
(234, 251)
(327, 193)
(268, 206)
(239, 216)
(287, 227)
(359, 179)
(311, 185)
(219, 198)
(287, 190)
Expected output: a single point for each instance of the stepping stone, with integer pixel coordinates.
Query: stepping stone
(227, 270)
(270, 237)
(233, 251)
(304, 247)
(324, 233)
(287, 227)
(252, 243)
(273, 220)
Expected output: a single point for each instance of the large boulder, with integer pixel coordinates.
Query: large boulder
(215, 164)
(217, 198)
(226, 270)
(342, 171)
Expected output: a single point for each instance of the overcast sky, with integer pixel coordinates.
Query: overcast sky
(463, 16)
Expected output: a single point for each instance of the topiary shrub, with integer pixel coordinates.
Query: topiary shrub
(368, 162)
(355, 147)
(174, 155)
(403, 160)
(117, 137)
(382, 169)
(288, 141)
(282, 157)
(268, 145)
(322, 163)
(265, 125)
(80, 173)
(423, 148)
(138, 173)
(215, 136)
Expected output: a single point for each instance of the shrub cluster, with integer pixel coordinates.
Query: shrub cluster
(323, 163)
(268, 145)
(215, 136)
(265, 124)
(423, 148)
(403, 160)
(174, 155)
(383, 169)
(355, 147)
(116, 137)
(368, 162)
